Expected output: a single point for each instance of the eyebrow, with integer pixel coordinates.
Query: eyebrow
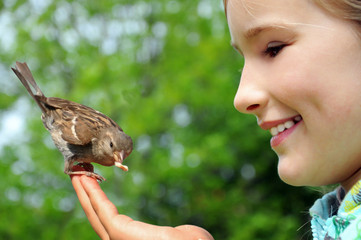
(255, 31)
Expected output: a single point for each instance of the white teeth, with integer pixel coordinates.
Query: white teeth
(274, 131)
(289, 124)
(283, 126)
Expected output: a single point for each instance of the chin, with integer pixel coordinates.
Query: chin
(293, 174)
(297, 177)
(291, 180)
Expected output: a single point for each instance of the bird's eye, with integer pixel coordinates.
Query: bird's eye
(111, 144)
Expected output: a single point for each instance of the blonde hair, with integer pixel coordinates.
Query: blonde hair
(346, 9)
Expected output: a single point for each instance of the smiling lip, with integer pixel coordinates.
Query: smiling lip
(279, 138)
(270, 124)
(288, 126)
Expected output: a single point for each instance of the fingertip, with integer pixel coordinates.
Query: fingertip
(88, 181)
(74, 177)
(90, 185)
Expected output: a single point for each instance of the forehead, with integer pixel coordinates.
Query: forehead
(248, 17)
(258, 8)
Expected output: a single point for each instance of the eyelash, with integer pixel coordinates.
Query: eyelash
(273, 51)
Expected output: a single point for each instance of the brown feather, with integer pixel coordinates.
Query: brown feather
(81, 133)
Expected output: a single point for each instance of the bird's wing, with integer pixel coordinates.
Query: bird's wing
(80, 124)
(77, 131)
(74, 128)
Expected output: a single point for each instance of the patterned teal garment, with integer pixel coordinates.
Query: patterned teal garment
(333, 219)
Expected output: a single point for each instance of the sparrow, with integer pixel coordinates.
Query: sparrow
(82, 134)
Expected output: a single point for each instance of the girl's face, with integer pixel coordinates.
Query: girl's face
(302, 80)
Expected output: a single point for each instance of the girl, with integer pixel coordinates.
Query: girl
(302, 80)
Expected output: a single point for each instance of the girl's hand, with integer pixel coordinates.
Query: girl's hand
(109, 224)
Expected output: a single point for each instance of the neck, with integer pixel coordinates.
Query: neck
(352, 180)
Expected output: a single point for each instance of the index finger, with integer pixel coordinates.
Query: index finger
(102, 206)
(88, 208)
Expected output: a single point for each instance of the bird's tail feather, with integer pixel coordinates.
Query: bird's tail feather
(23, 72)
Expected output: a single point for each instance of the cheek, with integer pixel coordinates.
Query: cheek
(293, 78)
(304, 76)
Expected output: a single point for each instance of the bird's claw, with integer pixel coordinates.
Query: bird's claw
(85, 169)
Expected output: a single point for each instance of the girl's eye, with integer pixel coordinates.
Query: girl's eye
(273, 48)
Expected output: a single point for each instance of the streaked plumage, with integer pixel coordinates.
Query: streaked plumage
(81, 133)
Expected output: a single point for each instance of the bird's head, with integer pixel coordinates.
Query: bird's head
(115, 145)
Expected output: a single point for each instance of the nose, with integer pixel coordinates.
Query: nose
(251, 96)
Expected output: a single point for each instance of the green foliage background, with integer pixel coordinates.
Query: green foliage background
(165, 71)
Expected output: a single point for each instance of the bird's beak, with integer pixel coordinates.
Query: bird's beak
(119, 157)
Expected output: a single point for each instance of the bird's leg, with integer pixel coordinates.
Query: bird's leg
(88, 170)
